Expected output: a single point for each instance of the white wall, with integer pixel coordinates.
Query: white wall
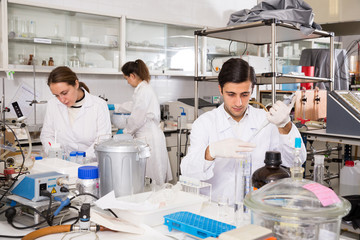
(329, 11)
(211, 13)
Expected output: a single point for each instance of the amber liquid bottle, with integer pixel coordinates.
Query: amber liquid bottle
(272, 170)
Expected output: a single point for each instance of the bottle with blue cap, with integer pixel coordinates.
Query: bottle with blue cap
(297, 170)
(183, 119)
(88, 182)
(80, 157)
(72, 156)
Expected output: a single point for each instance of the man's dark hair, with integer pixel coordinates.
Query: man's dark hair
(236, 70)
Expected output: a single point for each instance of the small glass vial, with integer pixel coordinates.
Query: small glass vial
(80, 157)
(88, 182)
(43, 63)
(319, 169)
(73, 156)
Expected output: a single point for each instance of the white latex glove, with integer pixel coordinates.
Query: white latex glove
(279, 114)
(230, 148)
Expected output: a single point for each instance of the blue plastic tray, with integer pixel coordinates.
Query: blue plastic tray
(196, 225)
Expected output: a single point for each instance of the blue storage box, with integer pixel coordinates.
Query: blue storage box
(196, 225)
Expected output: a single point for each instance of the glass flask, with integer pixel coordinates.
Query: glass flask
(296, 208)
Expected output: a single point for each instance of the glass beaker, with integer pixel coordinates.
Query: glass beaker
(243, 167)
(21, 59)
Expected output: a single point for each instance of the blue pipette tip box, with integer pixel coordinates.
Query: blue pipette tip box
(196, 225)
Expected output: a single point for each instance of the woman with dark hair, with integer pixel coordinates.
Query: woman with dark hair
(144, 120)
(75, 117)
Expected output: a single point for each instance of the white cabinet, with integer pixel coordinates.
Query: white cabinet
(85, 42)
(165, 48)
(90, 43)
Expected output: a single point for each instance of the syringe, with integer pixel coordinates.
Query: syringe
(287, 100)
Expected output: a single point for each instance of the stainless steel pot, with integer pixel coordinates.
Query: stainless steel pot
(122, 164)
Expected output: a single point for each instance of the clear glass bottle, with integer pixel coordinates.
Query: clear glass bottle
(88, 182)
(319, 169)
(32, 28)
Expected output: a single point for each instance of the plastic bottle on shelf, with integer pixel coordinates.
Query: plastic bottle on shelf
(319, 169)
(272, 170)
(349, 179)
(183, 119)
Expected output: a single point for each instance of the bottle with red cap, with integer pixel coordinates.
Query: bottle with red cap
(350, 179)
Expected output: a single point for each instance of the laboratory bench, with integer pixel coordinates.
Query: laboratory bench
(159, 232)
(322, 135)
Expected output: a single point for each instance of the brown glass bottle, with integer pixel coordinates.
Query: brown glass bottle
(51, 61)
(272, 170)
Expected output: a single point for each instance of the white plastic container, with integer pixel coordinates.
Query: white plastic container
(183, 202)
(350, 179)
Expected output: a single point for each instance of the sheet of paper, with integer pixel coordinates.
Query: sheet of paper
(109, 201)
(116, 224)
(23, 96)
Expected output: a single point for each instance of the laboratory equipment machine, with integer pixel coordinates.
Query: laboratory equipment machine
(122, 164)
(31, 186)
(343, 112)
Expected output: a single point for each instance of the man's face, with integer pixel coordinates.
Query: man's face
(236, 98)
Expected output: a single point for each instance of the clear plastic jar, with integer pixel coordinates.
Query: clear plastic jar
(88, 182)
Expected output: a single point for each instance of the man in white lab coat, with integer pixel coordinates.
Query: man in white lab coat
(219, 136)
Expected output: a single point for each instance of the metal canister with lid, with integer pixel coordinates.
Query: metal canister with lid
(122, 164)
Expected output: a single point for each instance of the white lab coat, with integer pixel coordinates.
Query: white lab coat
(144, 123)
(91, 124)
(214, 126)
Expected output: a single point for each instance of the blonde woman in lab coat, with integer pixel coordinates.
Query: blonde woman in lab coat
(144, 120)
(77, 118)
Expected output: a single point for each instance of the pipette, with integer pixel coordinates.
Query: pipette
(287, 100)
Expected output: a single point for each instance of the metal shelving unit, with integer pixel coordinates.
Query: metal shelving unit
(259, 33)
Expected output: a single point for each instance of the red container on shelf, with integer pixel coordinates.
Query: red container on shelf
(308, 71)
